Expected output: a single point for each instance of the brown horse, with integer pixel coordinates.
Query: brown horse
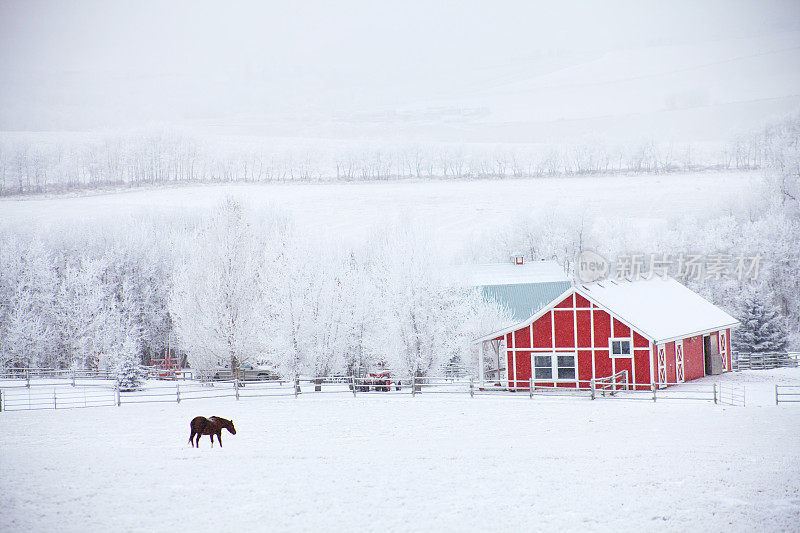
(201, 425)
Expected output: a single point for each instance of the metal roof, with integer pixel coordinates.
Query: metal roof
(524, 299)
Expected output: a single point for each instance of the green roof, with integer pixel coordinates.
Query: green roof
(524, 299)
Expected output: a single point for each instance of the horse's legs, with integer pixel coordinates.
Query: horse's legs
(219, 437)
(191, 439)
(197, 439)
(212, 439)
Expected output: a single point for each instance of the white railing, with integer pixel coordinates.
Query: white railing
(764, 361)
(787, 394)
(27, 374)
(25, 395)
(610, 384)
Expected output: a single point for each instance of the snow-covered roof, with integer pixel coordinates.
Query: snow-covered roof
(511, 274)
(660, 309)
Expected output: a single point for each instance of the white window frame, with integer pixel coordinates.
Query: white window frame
(611, 353)
(553, 355)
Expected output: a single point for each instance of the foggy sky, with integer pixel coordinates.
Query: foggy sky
(385, 69)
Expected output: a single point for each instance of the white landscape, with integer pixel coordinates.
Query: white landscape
(411, 251)
(389, 461)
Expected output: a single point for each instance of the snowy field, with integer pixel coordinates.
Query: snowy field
(456, 210)
(397, 463)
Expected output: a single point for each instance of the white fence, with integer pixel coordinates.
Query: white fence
(787, 394)
(27, 394)
(764, 361)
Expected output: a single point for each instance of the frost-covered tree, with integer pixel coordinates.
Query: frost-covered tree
(761, 329)
(128, 368)
(218, 299)
(423, 319)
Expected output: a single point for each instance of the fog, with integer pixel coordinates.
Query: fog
(446, 71)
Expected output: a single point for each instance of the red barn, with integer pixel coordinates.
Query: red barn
(657, 330)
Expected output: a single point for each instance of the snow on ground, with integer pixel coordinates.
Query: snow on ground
(456, 210)
(393, 462)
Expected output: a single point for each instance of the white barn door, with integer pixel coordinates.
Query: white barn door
(723, 349)
(661, 361)
(679, 362)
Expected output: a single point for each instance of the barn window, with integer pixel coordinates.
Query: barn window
(566, 366)
(554, 366)
(620, 347)
(543, 366)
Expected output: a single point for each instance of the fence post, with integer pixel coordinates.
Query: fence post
(296, 385)
(236, 387)
(413, 386)
(653, 386)
(776, 394)
(1, 400)
(715, 393)
(591, 386)
(55, 400)
(73, 377)
(353, 385)
(178, 391)
(28, 378)
(117, 394)
(471, 389)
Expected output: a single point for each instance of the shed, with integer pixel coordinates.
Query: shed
(649, 332)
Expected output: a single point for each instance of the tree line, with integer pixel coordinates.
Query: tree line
(233, 287)
(37, 163)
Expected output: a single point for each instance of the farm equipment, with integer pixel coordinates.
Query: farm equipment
(375, 381)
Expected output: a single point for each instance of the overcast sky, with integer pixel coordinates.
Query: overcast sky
(87, 65)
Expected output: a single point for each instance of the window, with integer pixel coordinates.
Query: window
(566, 366)
(543, 365)
(554, 366)
(620, 347)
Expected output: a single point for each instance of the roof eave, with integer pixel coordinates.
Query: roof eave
(695, 333)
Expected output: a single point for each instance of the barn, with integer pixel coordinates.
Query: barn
(657, 331)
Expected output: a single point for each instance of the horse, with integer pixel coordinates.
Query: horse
(201, 425)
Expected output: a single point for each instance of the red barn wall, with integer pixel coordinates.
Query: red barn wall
(694, 365)
(573, 325)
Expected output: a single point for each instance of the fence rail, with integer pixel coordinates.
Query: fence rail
(764, 361)
(27, 395)
(787, 394)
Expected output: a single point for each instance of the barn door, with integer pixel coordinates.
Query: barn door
(661, 360)
(679, 361)
(723, 350)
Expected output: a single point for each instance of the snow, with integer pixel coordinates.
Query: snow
(393, 462)
(455, 211)
(660, 309)
(509, 273)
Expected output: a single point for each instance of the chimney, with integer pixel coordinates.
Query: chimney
(517, 259)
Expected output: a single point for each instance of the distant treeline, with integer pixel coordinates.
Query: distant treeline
(31, 163)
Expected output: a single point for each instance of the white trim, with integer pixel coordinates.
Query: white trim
(513, 358)
(722, 343)
(680, 374)
(629, 340)
(696, 333)
(661, 358)
(591, 324)
(554, 366)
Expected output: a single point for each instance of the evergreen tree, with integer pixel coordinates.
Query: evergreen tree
(130, 374)
(761, 329)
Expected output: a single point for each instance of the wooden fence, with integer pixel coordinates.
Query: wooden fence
(764, 361)
(23, 394)
(787, 394)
